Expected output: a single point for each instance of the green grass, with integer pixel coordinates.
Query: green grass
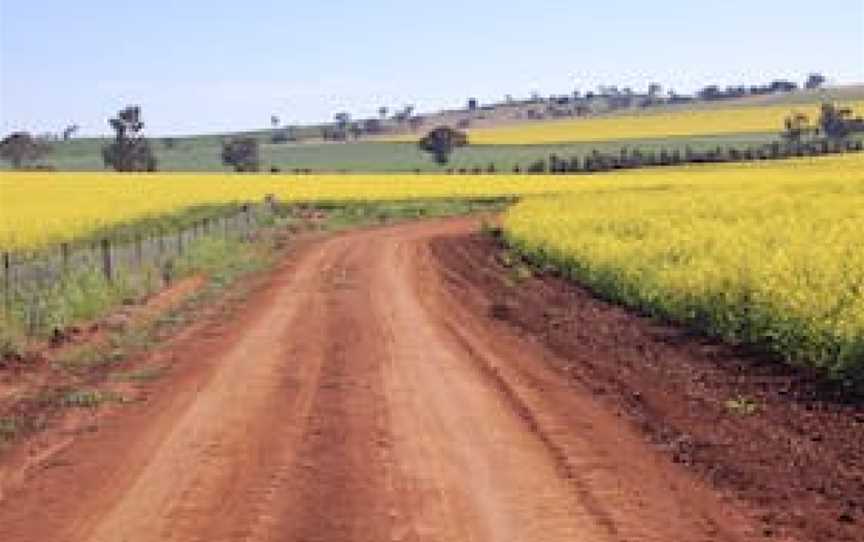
(203, 154)
(341, 216)
(88, 398)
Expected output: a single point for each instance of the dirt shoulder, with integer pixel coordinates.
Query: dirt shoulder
(754, 429)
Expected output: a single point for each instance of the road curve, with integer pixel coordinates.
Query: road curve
(357, 397)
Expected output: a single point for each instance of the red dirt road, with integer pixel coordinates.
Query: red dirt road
(355, 398)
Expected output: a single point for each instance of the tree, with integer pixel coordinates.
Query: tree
(796, 127)
(815, 81)
(835, 122)
(69, 131)
(382, 112)
(21, 149)
(404, 114)
(241, 153)
(654, 90)
(711, 92)
(441, 142)
(781, 85)
(130, 150)
(414, 123)
(373, 126)
(472, 104)
(342, 119)
(274, 121)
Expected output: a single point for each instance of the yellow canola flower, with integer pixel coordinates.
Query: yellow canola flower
(648, 125)
(38, 209)
(760, 255)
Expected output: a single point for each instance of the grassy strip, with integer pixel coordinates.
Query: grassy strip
(345, 215)
(84, 369)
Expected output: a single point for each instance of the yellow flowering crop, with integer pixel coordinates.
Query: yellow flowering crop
(647, 125)
(39, 209)
(768, 256)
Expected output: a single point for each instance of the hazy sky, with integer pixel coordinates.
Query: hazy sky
(216, 65)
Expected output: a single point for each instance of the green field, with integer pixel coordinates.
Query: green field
(203, 154)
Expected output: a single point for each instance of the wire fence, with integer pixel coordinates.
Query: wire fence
(142, 263)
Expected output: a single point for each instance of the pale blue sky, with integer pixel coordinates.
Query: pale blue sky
(203, 66)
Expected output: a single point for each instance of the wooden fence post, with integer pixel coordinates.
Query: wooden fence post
(7, 281)
(65, 256)
(107, 263)
(139, 250)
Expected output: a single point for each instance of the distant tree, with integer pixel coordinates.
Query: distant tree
(472, 104)
(382, 112)
(654, 90)
(355, 129)
(782, 86)
(814, 81)
(837, 122)
(373, 126)
(241, 153)
(441, 142)
(130, 150)
(22, 149)
(796, 127)
(274, 121)
(711, 92)
(69, 131)
(342, 119)
(414, 123)
(404, 114)
(283, 135)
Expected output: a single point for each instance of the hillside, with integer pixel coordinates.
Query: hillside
(399, 153)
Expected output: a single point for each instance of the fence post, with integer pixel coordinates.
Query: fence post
(180, 242)
(139, 250)
(107, 263)
(7, 282)
(65, 256)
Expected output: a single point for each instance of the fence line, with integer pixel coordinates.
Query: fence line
(139, 261)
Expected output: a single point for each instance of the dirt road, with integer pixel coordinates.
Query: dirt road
(357, 398)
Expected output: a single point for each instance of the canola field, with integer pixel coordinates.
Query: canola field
(764, 253)
(42, 209)
(730, 120)
(766, 256)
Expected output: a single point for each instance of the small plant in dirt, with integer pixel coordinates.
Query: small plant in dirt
(87, 358)
(742, 405)
(144, 374)
(8, 429)
(489, 229)
(521, 272)
(88, 398)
